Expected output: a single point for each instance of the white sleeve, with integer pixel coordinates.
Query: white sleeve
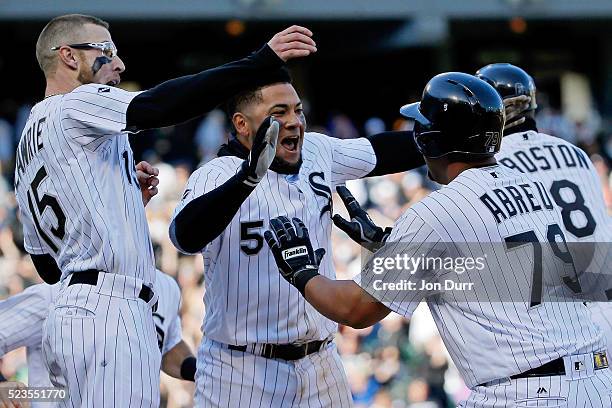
(22, 317)
(32, 242)
(411, 239)
(351, 159)
(203, 180)
(93, 111)
(173, 333)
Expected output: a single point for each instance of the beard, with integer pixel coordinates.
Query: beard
(85, 75)
(282, 166)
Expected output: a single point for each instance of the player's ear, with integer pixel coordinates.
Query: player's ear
(68, 57)
(243, 128)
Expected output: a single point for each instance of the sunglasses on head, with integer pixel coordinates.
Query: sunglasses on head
(108, 48)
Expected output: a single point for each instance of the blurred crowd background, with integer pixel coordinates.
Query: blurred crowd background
(364, 71)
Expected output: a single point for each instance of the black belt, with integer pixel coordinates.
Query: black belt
(287, 352)
(557, 367)
(90, 277)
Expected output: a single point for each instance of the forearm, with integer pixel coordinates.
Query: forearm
(173, 360)
(180, 99)
(395, 152)
(205, 218)
(344, 301)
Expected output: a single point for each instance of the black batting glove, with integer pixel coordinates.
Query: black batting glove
(361, 228)
(290, 244)
(262, 152)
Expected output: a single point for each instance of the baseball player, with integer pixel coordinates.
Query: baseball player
(566, 170)
(510, 353)
(263, 345)
(22, 318)
(83, 218)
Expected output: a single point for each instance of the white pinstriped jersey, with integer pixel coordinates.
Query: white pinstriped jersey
(489, 338)
(247, 300)
(21, 321)
(575, 187)
(22, 317)
(570, 177)
(76, 185)
(167, 319)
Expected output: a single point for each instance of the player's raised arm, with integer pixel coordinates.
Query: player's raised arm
(200, 220)
(181, 99)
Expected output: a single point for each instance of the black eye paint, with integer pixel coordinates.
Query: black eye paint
(98, 63)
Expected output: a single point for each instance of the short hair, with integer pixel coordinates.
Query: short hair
(61, 30)
(240, 101)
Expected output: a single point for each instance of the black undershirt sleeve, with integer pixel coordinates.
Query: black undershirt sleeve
(205, 217)
(395, 152)
(180, 99)
(47, 268)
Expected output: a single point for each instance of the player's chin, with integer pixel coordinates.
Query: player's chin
(289, 154)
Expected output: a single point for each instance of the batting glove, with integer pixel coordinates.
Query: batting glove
(262, 152)
(361, 228)
(290, 245)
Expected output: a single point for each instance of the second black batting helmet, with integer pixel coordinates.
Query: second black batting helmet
(459, 114)
(509, 80)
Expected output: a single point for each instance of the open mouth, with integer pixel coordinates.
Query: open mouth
(290, 143)
(114, 82)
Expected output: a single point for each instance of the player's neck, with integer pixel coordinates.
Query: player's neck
(456, 168)
(61, 85)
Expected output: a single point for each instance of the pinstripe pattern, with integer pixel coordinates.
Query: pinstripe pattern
(80, 202)
(554, 160)
(246, 299)
(317, 380)
(594, 391)
(90, 172)
(89, 365)
(488, 340)
(21, 320)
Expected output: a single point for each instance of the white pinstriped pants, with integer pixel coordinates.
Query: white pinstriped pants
(601, 314)
(591, 389)
(100, 343)
(230, 378)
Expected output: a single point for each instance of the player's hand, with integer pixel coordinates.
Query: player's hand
(290, 245)
(147, 178)
(293, 42)
(514, 107)
(262, 152)
(5, 402)
(361, 228)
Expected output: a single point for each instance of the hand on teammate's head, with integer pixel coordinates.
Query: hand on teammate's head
(293, 42)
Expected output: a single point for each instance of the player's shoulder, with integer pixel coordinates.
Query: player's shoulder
(317, 139)
(225, 165)
(92, 93)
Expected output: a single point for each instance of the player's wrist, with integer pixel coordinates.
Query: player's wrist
(188, 368)
(303, 276)
(246, 177)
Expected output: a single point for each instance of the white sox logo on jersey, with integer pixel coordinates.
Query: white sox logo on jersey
(322, 191)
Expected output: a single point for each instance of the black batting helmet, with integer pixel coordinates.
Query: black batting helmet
(459, 114)
(509, 80)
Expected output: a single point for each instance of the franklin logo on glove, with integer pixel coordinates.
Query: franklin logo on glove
(293, 252)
